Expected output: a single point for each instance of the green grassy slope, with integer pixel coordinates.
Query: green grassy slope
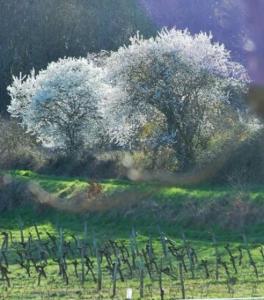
(67, 187)
(155, 206)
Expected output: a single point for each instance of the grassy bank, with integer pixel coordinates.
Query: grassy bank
(67, 187)
(175, 209)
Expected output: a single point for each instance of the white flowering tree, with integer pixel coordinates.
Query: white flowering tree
(59, 104)
(187, 81)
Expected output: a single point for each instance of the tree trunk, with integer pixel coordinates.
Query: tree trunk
(182, 144)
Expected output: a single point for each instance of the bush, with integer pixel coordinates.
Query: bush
(245, 163)
(12, 194)
(162, 158)
(18, 150)
(86, 165)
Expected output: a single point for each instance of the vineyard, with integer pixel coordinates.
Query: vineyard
(39, 263)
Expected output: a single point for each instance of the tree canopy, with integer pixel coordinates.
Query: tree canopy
(59, 104)
(187, 80)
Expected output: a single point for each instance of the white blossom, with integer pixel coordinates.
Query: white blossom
(59, 104)
(187, 78)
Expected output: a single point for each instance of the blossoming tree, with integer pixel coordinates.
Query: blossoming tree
(59, 104)
(187, 80)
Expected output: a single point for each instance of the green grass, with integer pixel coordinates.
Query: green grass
(165, 198)
(103, 225)
(68, 187)
(64, 186)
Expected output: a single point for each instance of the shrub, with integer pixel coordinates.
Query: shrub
(12, 194)
(84, 165)
(18, 150)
